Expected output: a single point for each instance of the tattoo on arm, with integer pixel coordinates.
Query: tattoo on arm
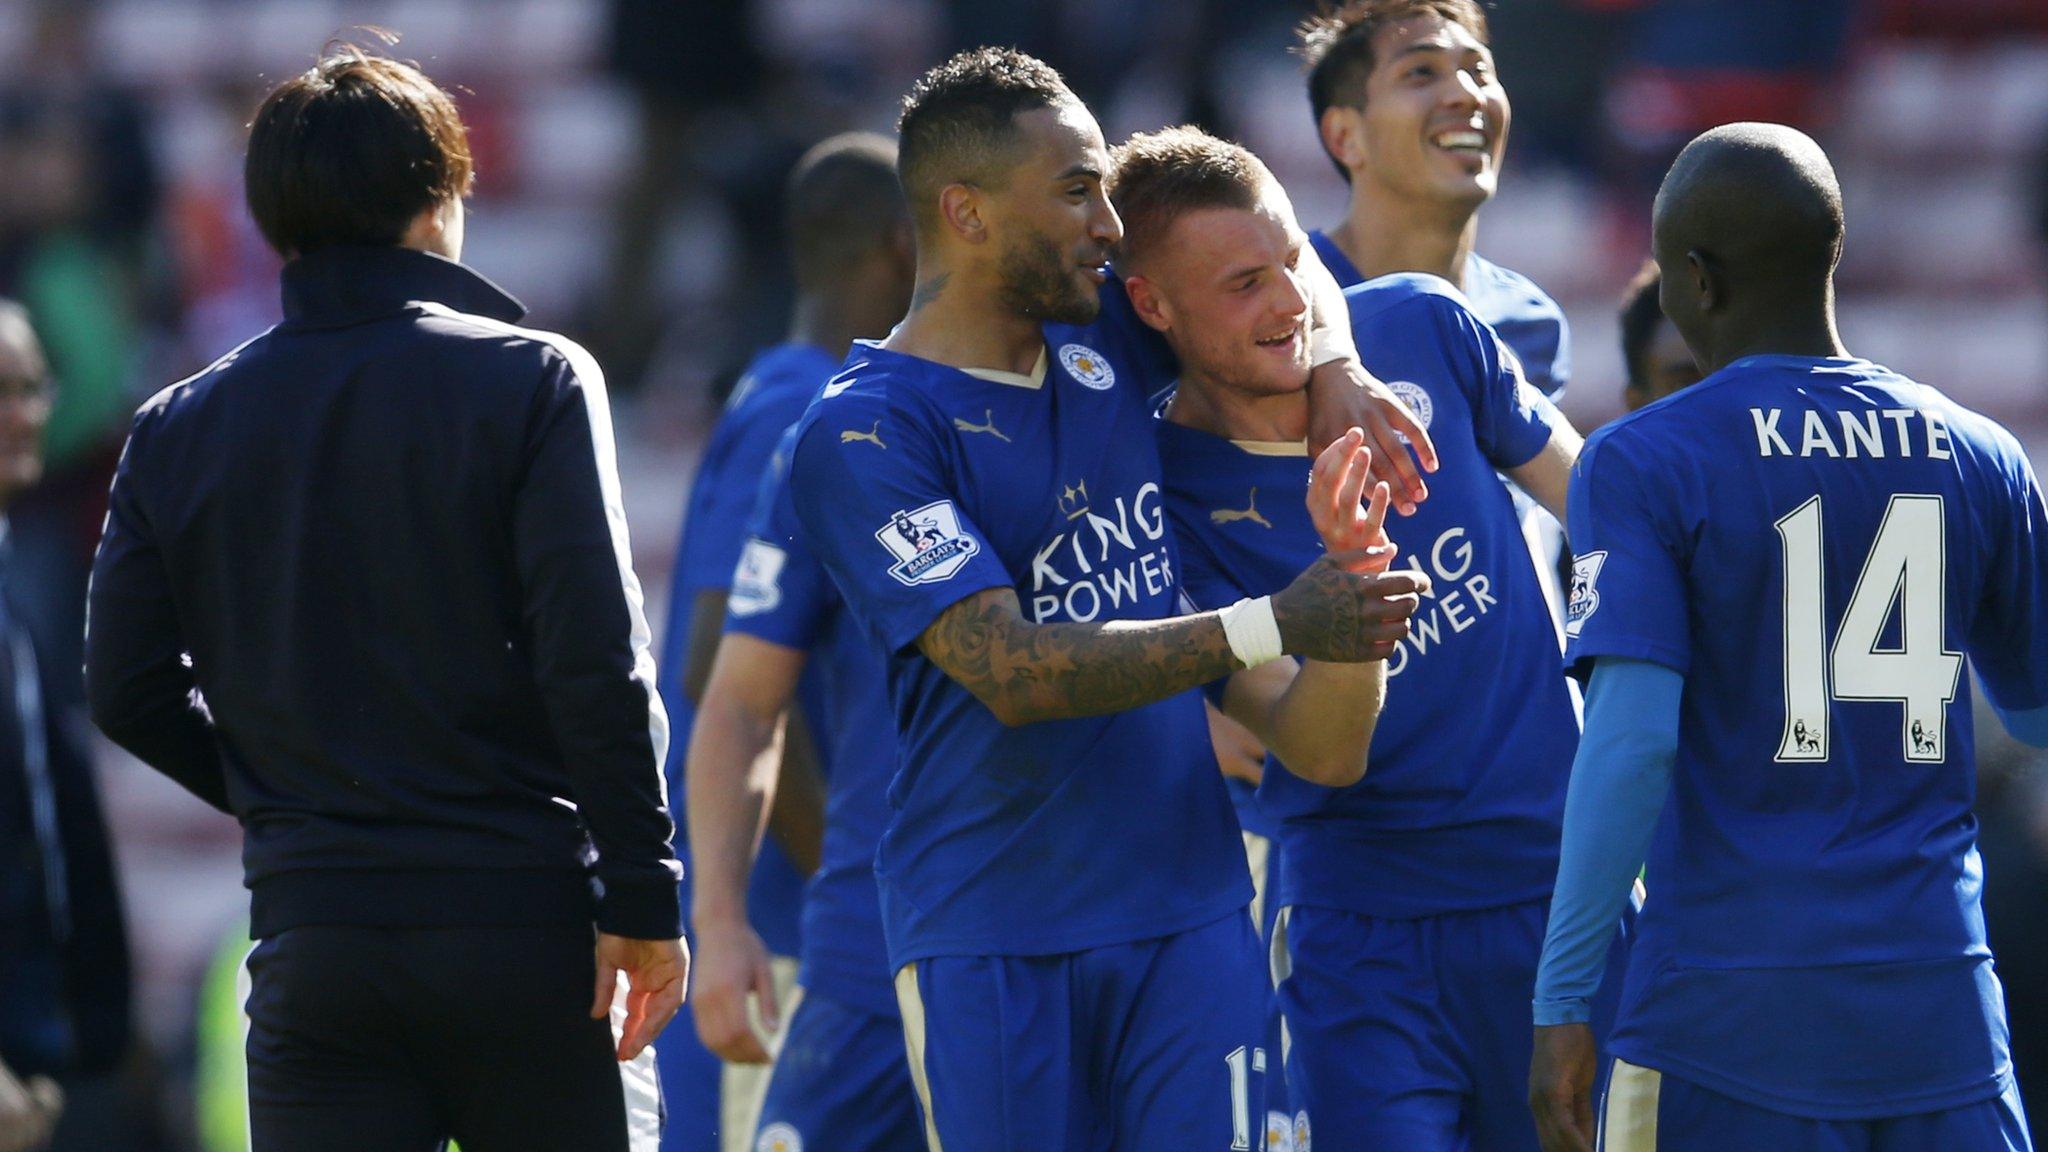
(1028, 672)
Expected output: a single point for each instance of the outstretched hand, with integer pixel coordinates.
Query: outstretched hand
(1335, 485)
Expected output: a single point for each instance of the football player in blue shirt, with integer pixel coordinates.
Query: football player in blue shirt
(1410, 110)
(850, 239)
(1781, 571)
(1063, 889)
(840, 1080)
(1414, 899)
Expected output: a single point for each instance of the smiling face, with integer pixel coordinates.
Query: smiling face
(1223, 285)
(1433, 120)
(1051, 222)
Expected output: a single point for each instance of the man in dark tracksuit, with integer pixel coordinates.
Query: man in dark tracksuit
(365, 584)
(64, 979)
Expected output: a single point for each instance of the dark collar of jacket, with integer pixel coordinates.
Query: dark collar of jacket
(337, 286)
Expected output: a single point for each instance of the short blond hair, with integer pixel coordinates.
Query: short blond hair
(1157, 177)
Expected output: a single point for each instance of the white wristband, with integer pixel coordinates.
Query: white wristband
(1324, 346)
(1253, 631)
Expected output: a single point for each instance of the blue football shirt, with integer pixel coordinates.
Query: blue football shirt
(1816, 545)
(781, 594)
(770, 395)
(1523, 315)
(919, 484)
(1461, 806)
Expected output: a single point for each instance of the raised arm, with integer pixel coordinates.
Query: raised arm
(1319, 717)
(1342, 395)
(1026, 673)
(863, 505)
(138, 680)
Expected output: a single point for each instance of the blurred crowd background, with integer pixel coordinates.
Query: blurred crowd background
(630, 157)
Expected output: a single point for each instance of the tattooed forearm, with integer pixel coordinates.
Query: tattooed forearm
(1028, 672)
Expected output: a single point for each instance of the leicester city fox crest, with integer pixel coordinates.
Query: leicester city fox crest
(1089, 367)
(1418, 402)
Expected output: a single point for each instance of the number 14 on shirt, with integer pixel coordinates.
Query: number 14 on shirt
(1905, 566)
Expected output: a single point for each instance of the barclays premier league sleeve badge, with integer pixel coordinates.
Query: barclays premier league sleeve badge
(1584, 599)
(927, 543)
(757, 581)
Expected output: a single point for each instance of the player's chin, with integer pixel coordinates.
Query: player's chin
(1079, 307)
(1474, 185)
(1282, 369)
(1464, 175)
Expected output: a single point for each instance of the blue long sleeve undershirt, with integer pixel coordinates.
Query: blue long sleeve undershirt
(1619, 781)
(2028, 727)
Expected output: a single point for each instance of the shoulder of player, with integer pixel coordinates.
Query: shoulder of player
(513, 345)
(869, 405)
(1967, 425)
(773, 400)
(1402, 307)
(1373, 299)
(1533, 301)
(1643, 431)
(167, 400)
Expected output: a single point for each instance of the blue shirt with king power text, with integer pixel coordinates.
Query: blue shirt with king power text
(1461, 804)
(1523, 315)
(781, 594)
(1816, 545)
(770, 395)
(919, 484)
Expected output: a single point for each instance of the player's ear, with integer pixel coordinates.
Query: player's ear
(1147, 301)
(1343, 133)
(960, 210)
(1708, 286)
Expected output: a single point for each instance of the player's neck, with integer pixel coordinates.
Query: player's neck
(1208, 406)
(960, 320)
(1777, 332)
(1382, 234)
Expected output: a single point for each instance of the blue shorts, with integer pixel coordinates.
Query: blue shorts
(1152, 1046)
(1647, 1111)
(1412, 1035)
(841, 1084)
